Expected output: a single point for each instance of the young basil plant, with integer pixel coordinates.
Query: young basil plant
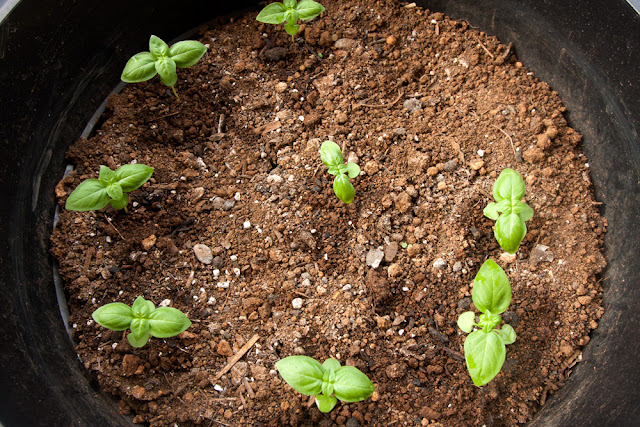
(144, 320)
(332, 157)
(484, 348)
(110, 188)
(162, 59)
(509, 211)
(328, 382)
(290, 11)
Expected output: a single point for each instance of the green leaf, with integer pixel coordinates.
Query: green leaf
(525, 211)
(504, 206)
(187, 52)
(509, 185)
(114, 191)
(140, 67)
(507, 334)
(289, 4)
(138, 342)
(337, 170)
(343, 189)
(330, 364)
(351, 384)
(88, 196)
(466, 321)
(489, 321)
(132, 176)
(509, 230)
(120, 203)
(303, 373)
(330, 154)
(491, 288)
(325, 403)
(139, 327)
(106, 176)
(166, 67)
(328, 380)
(167, 322)
(291, 16)
(484, 353)
(115, 316)
(272, 14)
(353, 170)
(491, 211)
(308, 9)
(142, 308)
(158, 47)
(291, 29)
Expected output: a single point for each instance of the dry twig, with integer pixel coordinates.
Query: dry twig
(392, 103)
(485, 48)
(510, 140)
(237, 357)
(114, 227)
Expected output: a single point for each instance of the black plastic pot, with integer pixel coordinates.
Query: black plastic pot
(60, 59)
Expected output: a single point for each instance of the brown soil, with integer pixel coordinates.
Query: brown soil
(237, 169)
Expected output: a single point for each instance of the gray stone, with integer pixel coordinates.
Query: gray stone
(345, 44)
(450, 166)
(203, 253)
(540, 253)
(374, 258)
(390, 251)
(439, 263)
(412, 105)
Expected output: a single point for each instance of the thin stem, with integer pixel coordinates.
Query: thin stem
(174, 91)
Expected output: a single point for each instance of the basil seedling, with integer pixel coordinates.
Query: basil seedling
(290, 11)
(144, 320)
(510, 212)
(110, 188)
(484, 349)
(328, 382)
(162, 59)
(332, 157)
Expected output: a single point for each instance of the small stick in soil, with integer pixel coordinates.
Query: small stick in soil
(190, 279)
(485, 48)
(248, 388)
(226, 298)
(221, 123)
(87, 260)
(454, 354)
(310, 401)
(241, 389)
(301, 294)
(237, 357)
(164, 116)
(268, 45)
(392, 103)
(114, 227)
(510, 140)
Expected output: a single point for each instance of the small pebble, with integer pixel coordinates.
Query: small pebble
(203, 253)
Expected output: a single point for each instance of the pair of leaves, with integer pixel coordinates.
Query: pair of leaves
(163, 60)
(484, 349)
(289, 11)
(331, 156)
(143, 319)
(111, 188)
(328, 381)
(509, 211)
